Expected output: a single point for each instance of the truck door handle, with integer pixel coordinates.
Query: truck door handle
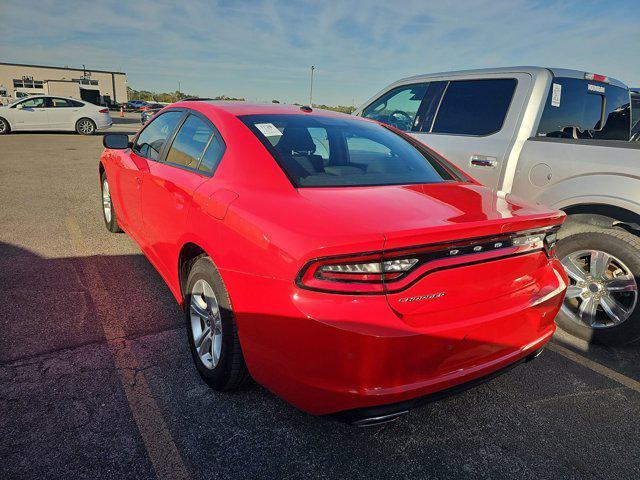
(483, 161)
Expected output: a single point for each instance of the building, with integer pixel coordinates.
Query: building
(96, 86)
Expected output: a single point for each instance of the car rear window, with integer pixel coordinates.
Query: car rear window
(319, 151)
(586, 110)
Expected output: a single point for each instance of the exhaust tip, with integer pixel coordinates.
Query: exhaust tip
(535, 354)
(372, 421)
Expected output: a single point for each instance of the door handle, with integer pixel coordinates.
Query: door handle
(483, 161)
(139, 180)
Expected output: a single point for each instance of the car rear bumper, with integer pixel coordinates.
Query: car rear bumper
(104, 122)
(329, 353)
(368, 416)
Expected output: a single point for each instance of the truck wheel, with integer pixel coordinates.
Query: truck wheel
(603, 265)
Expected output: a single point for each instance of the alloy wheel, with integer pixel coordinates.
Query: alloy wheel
(602, 291)
(85, 127)
(206, 324)
(3, 126)
(106, 201)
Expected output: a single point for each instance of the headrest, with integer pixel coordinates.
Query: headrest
(295, 139)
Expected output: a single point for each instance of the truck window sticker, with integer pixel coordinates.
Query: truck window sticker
(556, 93)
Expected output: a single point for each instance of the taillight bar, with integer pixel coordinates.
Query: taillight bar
(596, 78)
(377, 272)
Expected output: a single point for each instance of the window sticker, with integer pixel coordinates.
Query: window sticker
(595, 88)
(268, 129)
(556, 93)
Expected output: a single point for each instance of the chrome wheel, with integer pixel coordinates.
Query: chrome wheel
(85, 126)
(106, 201)
(4, 126)
(206, 324)
(602, 291)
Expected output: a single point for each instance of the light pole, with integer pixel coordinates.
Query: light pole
(178, 89)
(311, 87)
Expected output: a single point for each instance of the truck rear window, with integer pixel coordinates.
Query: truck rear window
(587, 110)
(324, 151)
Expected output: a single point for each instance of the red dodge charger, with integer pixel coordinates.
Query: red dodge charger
(343, 265)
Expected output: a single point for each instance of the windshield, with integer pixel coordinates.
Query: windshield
(583, 109)
(317, 151)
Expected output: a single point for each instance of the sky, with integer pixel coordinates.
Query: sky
(263, 49)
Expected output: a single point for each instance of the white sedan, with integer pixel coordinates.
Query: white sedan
(54, 113)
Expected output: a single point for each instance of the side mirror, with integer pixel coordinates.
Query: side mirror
(116, 141)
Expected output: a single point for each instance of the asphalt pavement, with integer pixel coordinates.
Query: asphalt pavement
(96, 380)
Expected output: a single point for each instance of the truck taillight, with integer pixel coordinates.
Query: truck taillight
(596, 78)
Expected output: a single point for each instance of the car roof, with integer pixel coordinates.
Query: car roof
(239, 108)
(52, 96)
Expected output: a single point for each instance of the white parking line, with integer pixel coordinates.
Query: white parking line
(596, 367)
(163, 453)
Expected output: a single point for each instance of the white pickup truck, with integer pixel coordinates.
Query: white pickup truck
(552, 136)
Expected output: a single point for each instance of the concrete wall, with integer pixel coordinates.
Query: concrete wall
(62, 88)
(113, 84)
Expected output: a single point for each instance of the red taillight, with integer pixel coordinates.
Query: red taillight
(596, 78)
(357, 274)
(104, 110)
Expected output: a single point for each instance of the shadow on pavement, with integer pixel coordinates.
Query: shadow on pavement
(47, 305)
(64, 412)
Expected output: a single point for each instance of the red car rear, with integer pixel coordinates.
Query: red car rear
(345, 266)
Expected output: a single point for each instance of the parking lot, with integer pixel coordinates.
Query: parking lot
(97, 380)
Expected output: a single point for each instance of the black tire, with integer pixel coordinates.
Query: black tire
(85, 126)
(623, 245)
(4, 126)
(110, 223)
(231, 371)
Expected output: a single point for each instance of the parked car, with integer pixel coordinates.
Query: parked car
(145, 115)
(556, 137)
(358, 280)
(54, 114)
(151, 106)
(134, 105)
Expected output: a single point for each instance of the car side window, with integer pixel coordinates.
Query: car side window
(398, 107)
(59, 103)
(213, 154)
(190, 143)
(33, 103)
(151, 140)
(474, 107)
